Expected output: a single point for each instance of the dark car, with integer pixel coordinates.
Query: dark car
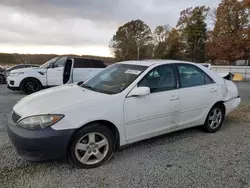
(2, 75)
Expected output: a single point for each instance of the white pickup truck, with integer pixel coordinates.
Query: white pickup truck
(57, 71)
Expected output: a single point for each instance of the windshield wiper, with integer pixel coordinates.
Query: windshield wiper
(95, 89)
(86, 86)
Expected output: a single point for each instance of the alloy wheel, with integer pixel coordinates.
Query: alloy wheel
(215, 118)
(31, 86)
(91, 148)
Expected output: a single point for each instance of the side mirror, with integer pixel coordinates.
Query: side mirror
(139, 91)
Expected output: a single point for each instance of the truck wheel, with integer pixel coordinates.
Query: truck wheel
(2, 79)
(30, 85)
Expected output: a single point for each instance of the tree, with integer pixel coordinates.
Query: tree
(161, 34)
(133, 40)
(230, 36)
(175, 45)
(194, 32)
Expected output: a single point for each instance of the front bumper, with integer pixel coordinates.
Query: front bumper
(13, 81)
(41, 145)
(13, 88)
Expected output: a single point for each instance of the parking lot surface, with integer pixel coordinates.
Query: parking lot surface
(189, 158)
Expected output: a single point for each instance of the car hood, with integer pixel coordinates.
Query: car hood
(32, 69)
(54, 99)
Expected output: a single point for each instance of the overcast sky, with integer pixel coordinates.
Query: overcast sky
(79, 26)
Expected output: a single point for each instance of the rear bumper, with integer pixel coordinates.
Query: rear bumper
(232, 104)
(41, 145)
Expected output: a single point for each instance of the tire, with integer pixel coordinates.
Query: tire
(88, 145)
(30, 85)
(215, 119)
(2, 79)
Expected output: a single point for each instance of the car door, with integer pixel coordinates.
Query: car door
(55, 72)
(157, 112)
(197, 93)
(81, 69)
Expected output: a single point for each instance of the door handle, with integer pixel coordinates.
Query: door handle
(212, 90)
(174, 98)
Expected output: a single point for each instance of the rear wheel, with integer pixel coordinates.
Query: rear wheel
(30, 85)
(2, 79)
(92, 146)
(215, 119)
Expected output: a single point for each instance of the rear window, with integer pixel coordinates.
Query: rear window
(97, 64)
(88, 63)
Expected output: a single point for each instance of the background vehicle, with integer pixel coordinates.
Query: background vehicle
(226, 75)
(125, 103)
(2, 75)
(57, 71)
(207, 65)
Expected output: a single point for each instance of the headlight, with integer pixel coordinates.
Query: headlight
(16, 73)
(39, 121)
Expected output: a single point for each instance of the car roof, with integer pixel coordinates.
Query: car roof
(152, 62)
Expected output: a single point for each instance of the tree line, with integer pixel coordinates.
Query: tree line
(191, 39)
(7, 58)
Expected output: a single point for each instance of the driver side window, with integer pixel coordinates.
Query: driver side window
(159, 79)
(60, 62)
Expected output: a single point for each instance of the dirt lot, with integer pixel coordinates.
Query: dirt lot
(188, 158)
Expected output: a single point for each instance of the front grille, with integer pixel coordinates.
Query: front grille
(15, 116)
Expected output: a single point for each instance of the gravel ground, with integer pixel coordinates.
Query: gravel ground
(188, 158)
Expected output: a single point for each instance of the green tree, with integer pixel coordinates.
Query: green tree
(133, 40)
(161, 34)
(175, 45)
(194, 32)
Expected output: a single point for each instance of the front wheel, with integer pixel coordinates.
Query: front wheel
(215, 119)
(30, 85)
(92, 146)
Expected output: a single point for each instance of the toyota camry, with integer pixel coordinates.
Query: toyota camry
(125, 103)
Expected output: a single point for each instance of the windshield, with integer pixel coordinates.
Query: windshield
(114, 79)
(47, 64)
(10, 68)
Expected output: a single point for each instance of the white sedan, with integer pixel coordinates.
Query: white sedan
(125, 103)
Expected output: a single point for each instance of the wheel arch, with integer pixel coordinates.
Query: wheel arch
(220, 103)
(112, 127)
(30, 77)
(217, 103)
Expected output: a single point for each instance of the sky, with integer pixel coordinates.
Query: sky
(83, 27)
